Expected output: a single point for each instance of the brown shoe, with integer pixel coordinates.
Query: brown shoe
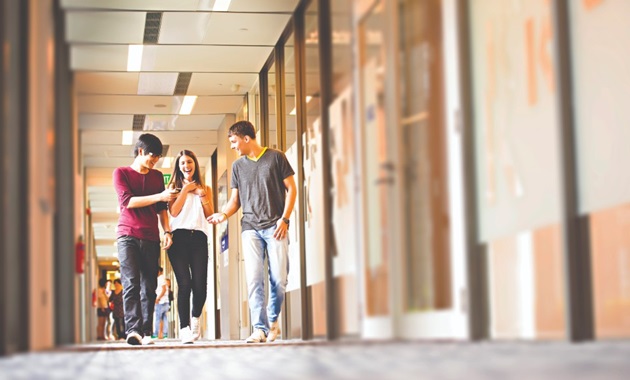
(274, 332)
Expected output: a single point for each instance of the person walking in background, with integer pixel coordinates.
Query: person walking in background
(160, 330)
(102, 309)
(263, 185)
(189, 252)
(109, 321)
(141, 196)
(116, 299)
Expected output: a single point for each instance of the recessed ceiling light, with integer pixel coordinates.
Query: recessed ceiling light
(243, 29)
(221, 5)
(188, 104)
(127, 137)
(134, 58)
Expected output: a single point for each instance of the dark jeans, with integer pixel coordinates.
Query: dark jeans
(139, 263)
(189, 258)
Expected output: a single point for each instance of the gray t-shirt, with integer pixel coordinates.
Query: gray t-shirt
(261, 188)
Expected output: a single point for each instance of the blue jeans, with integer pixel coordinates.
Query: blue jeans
(139, 262)
(258, 245)
(161, 314)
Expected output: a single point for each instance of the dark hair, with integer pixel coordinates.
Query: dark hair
(102, 282)
(149, 144)
(117, 281)
(243, 128)
(160, 269)
(177, 179)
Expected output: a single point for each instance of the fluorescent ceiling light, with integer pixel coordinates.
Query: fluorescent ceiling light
(294, 111)
(188, 104)
(127, 137)
(166, 162)
(134, 58)
(221, 5)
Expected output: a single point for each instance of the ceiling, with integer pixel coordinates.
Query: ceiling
(189, 48)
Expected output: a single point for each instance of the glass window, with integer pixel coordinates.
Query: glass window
(273, 117)
(427, 262)
(600, 36)
(313, 188)
(517, 165)
(345, 197)
(374, 160)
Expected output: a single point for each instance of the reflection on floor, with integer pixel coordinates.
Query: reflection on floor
(168, 359)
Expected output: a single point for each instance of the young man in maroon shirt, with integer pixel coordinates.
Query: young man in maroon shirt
(142, 200)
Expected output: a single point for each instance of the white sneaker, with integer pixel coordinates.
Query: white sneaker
(134, 339)
(258, 336)
(186, 335)
(194, 327)
(274, 332)
(147, 340)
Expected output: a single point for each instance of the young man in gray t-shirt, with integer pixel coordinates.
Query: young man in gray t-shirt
(263, 185)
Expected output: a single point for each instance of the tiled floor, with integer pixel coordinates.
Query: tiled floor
(322, 360)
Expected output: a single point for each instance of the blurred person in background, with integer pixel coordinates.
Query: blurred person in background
(160, 330)
(118, 311)
(102, 309)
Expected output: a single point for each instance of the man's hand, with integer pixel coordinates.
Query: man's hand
(167, 195)
(167, 242)
(217, 218)
(282, 229)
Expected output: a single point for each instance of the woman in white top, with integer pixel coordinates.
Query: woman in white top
(189, 252)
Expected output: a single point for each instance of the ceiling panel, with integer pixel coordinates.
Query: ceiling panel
(157, 5)
(171, 58)
(222, 28)
(115, 83)
(246, 28)
(166, 105)
(99, 57)
(105, 122)
(263, 6)
(173, 137)
(183, 5)
(221, 83)
(105, 27)
(228, 59)
(183, 122)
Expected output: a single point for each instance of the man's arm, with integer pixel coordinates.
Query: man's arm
(281, 226)
(168, 237)
(148, 200)
(289, 182)
(230, 209)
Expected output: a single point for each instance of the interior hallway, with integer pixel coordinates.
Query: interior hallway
(168, 359)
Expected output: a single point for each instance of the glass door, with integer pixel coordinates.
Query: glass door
(433, 266)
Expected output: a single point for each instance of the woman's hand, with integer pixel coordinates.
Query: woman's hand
(190, 186)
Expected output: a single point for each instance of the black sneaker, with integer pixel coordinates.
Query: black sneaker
(134, 339)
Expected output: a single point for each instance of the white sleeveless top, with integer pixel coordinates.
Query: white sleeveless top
(191, 216)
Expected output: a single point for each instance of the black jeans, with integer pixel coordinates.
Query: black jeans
(189, 258)
(139, 263)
